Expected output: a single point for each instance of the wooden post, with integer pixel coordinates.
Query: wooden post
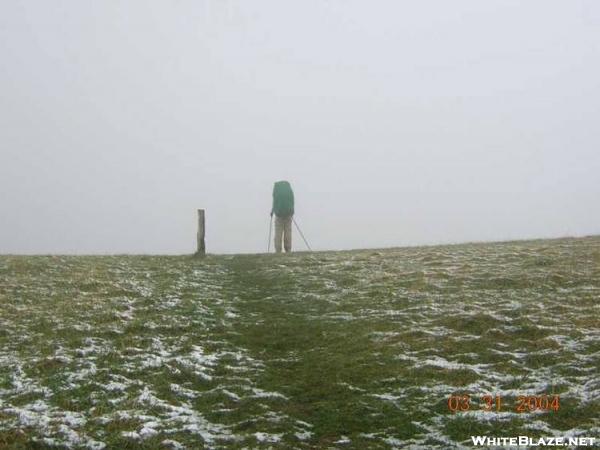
(201, 245)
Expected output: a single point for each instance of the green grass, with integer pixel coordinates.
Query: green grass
(325, 350)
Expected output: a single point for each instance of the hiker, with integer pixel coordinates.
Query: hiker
(283, 208)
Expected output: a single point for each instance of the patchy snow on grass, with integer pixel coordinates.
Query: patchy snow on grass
(171, 350)
(267, 437)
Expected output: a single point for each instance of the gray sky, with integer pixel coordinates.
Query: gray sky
(396, 122)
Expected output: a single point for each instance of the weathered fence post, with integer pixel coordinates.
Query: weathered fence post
(201, 245)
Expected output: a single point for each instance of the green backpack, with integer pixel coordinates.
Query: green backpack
(283, 199)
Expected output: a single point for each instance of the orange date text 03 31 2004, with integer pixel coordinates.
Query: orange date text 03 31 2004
(522, 404)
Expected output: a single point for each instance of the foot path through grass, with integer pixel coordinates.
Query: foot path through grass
(325, 350)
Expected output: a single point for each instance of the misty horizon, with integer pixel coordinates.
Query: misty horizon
(396, 125)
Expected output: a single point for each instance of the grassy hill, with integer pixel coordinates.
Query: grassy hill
(358, 349)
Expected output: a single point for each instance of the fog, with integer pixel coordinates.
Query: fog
(397, 123)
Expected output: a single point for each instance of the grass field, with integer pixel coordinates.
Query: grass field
(356, 349)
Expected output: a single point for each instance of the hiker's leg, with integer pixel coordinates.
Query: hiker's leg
(278, 233)
(287, 234)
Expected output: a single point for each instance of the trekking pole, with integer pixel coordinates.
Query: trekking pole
(269, 241)
(300, 231)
